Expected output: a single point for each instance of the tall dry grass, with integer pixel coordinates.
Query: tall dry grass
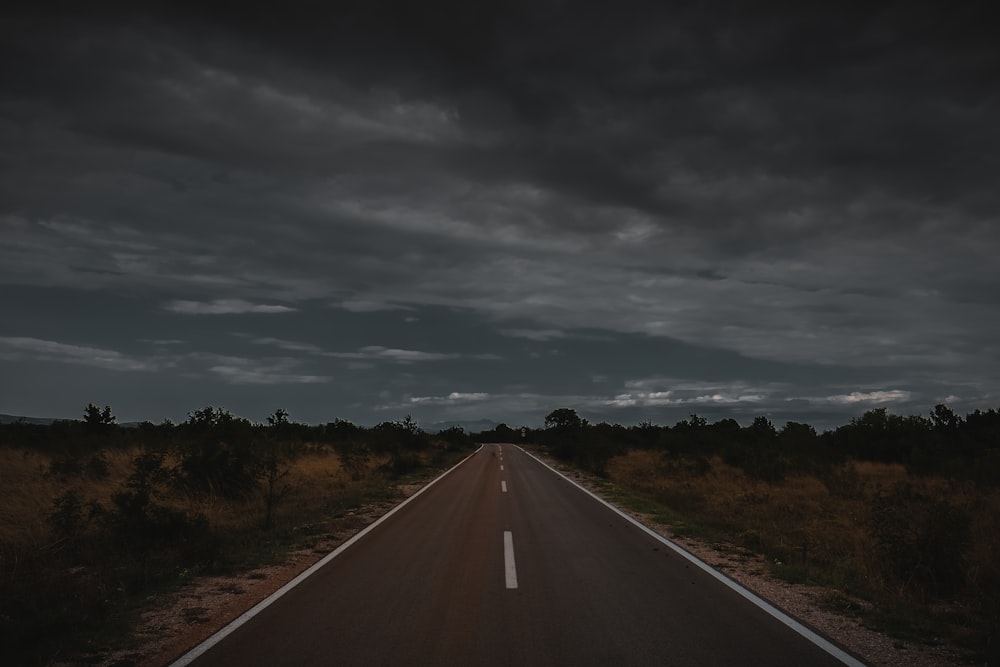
(29, 488)
(312, 483)
(309, 483)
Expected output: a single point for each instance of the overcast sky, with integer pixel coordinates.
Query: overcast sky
(466, 211)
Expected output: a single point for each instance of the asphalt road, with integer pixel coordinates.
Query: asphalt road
(505, 562)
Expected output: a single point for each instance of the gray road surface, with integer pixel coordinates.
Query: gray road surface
(435, 585)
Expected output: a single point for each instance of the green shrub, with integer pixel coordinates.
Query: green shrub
(66, 517)
(354, 456)
(218, 468)
(403, 462)
(920, 542)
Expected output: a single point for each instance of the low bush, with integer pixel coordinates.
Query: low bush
(920, 542)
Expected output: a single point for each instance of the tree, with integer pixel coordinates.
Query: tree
(208, 418)
(273, 472)
(875, 420)
(97, 419)
(763, 427)
(796, 437)
(500, 433)
(341, 429)
(217, 456)
(697, 422)
(944, 419)
(411, 426)
(278, 418)
(563, 418)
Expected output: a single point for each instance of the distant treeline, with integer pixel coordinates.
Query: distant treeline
(214, 437)
(942, 443)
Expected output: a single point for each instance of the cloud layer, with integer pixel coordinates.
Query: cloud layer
(438, 202)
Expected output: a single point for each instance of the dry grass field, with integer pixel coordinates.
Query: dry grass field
(29, 488)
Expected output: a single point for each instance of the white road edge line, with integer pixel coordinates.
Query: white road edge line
(814, 637)
(503, 486)
(510, 568)
(201, 648)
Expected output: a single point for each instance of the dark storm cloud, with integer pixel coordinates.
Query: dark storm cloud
(799, 188)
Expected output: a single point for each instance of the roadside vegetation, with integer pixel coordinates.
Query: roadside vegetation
(95, 518)
(897, 517)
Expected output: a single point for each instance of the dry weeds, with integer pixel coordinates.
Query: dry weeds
(28, 490)
(805, 519)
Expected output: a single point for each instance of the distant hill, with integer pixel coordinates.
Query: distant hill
(11, 419)
(46, 421)
(468, 426)
(475, 426)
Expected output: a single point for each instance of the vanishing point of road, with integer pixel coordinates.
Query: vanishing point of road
(503, 561)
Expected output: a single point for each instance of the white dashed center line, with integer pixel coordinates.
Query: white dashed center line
(510, 569)
(503, 486)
